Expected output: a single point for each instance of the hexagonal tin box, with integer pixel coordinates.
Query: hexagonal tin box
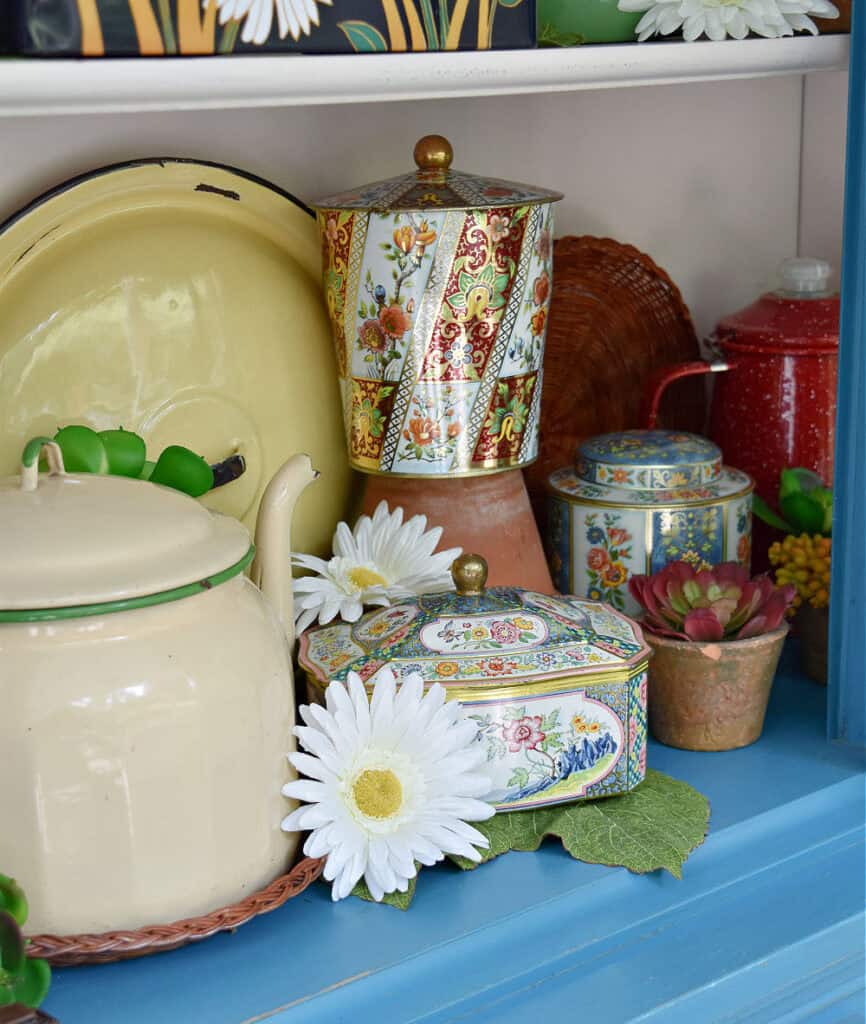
(557, 685)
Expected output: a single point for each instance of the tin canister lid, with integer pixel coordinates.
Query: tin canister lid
(649, 460)
(474, 636)
(433, 185)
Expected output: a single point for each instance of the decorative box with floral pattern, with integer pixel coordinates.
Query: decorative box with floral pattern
(556, 685)
(438, 287)
(637, 500)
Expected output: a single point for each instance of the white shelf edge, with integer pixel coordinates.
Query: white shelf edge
(44, 87)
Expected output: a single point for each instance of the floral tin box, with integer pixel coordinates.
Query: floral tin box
(557, 685)
(130, 28)
(638, 499)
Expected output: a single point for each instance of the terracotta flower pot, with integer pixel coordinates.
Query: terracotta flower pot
(812, 625)
(711, 696)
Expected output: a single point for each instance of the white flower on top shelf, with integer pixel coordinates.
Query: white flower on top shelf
(718, 19)
(390, 783)
(293, 17)
(382, 560)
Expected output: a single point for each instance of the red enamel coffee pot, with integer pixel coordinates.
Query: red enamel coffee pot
(774, 402)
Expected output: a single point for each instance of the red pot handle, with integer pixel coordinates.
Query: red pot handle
(659, 381)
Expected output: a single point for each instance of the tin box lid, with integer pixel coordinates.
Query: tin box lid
(477, 637)
(649, 460)
(568, 486)
(434, 186)
(71, 541)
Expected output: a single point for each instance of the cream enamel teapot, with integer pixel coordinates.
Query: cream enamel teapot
(146, 694)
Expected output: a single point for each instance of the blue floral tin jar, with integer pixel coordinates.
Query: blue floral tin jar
(558, 686)
(636, 500)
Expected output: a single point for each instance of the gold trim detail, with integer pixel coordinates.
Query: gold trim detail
(484, 691)
(502, 466)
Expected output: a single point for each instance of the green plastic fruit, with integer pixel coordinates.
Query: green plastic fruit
(183, 470)
(126, 452)
(83, 450)
(12, 899)
(572, 22)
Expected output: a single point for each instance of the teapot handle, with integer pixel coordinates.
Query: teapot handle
(30, 461)
(660, 380)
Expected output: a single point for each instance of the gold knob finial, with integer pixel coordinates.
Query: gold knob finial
(469, 573)
(433, 152)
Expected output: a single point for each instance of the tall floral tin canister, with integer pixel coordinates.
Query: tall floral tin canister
(438, 286)
(638, 499)
(557, 685)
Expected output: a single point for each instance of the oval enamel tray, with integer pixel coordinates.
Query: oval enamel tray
(181, 300)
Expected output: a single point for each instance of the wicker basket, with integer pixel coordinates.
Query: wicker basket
(73, 950)
(615, 319)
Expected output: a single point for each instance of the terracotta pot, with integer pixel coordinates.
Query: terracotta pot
(812, 626)
(487, 515)
(711, 696)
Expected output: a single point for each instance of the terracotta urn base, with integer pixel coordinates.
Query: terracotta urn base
(711, 696)
(812, 625)
(487, 515)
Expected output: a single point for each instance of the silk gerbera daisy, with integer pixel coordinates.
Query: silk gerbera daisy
(391, 783)
(382, 560)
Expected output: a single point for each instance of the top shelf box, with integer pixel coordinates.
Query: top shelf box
(47, 87)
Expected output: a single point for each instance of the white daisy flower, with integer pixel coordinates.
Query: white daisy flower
(718, 19)
(293, 16)
(382, 560)
(391, 783)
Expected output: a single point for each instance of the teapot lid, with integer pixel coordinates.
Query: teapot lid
(476, 636)
(649, 460)
(434, 186)
(78, 544)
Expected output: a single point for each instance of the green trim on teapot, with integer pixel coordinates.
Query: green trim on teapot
(128, 604)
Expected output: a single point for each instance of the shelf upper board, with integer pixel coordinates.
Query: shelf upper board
(29, 86)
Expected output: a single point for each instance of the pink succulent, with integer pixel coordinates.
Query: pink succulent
(709, 605)
(523, 733)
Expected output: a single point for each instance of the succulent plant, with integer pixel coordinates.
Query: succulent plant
(710, 604)
(805, 504)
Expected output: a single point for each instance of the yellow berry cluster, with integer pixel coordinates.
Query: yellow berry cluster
(805, 562)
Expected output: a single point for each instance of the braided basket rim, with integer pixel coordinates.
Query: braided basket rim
(104, 947)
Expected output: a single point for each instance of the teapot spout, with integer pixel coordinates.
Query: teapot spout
(271, 569)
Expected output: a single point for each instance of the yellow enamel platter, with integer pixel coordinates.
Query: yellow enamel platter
(181, 300)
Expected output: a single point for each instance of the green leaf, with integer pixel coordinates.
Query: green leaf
(430, 25)
(802, 512)
(31, 983)
(550, 720)
(793, 481)
(520, 777)
(656, 825)
(12, 899)
(400, 900)
(363, 37)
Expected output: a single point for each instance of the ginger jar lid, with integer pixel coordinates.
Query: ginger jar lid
(649, 460)
(476, 637)
(76, 544)
(433, 185)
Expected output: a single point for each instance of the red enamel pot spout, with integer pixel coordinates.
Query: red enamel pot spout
(774, 401)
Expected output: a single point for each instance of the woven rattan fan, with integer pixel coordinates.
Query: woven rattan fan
(615, 319)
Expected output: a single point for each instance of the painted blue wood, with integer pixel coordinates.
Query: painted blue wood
(766, 924)
(847, 710)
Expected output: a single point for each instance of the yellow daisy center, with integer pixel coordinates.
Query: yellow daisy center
(377, 793)
(362, 578)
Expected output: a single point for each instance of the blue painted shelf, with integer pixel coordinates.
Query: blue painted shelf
(766, 925)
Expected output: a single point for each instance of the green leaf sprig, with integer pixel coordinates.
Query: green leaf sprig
(656, 825)
(805, 504)
(23, 979)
